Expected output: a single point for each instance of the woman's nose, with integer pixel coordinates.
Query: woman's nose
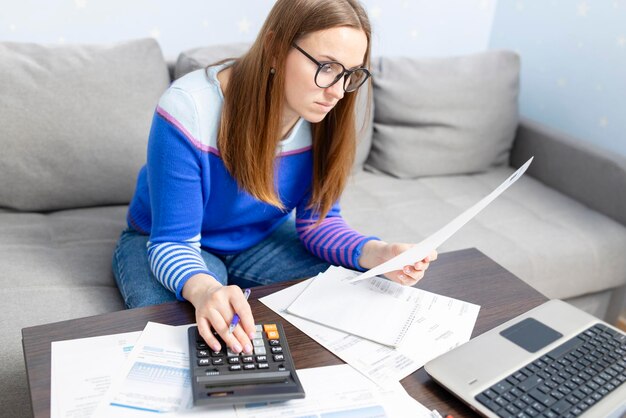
(336, 90)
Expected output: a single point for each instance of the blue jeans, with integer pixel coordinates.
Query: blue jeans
(279, 257)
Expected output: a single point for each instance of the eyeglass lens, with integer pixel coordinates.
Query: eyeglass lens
(330, 73)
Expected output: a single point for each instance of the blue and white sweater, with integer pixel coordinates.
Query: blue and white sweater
(185, 198)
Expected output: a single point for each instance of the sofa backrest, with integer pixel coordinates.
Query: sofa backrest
(444, 116)
(74, 121)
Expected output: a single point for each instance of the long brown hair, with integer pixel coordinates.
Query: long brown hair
(250, 124)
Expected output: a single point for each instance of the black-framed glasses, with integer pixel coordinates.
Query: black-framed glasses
(329, 72)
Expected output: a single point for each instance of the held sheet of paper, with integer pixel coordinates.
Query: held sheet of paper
(334, 390)
(425, 247)
(440, 324)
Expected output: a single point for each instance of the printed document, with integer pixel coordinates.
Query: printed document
(446, 324)
(425, 247)
(154, 378)
(81, 371)
(379, 310)
(337, 391)
(341, 392)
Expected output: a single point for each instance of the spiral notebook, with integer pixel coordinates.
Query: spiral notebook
(376, 309)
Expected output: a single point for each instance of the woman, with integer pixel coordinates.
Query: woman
(233, 150)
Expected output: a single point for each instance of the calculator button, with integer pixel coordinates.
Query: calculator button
(247, 359)
(235, 367)
(218, 361)
(259, 328)
(203, 362)
(270, 327)
(261, 358)
(258, 342)
(274, 342)
(248, 366)
(216, 353)
(263, 366)
(272, 335)
(230, 353)
(233, 360)
(277, 349)
(201, 345)
(278, 357)
(202, 353)
(260, 350)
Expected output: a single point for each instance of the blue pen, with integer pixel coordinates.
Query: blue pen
(235, 321)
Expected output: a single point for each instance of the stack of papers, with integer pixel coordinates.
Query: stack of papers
(432, 326)
(141, 374)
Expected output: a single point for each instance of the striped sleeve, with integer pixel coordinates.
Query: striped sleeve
(332, 240)
(173, 263)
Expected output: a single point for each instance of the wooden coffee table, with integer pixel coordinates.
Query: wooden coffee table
(467, 274)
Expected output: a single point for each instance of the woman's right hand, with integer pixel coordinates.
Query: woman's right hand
(215, 307)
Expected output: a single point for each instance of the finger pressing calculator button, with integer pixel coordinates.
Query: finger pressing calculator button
(263, 366)
(218, 361)
(274, 342)
(233, 360)
(235, 367)
(203, 362)
(272, 335)
(278, 349)
(278, 357)
(261, 358)
(247, 359)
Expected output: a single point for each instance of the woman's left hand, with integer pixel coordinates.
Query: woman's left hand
(377, 252)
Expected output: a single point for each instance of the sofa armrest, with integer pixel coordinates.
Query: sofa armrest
(593, 176)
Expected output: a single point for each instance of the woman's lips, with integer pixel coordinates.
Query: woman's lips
(325, 106)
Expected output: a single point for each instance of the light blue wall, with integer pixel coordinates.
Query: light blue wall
(573, 64)
(401, 27)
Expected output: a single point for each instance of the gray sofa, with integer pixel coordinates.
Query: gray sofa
(74, 122)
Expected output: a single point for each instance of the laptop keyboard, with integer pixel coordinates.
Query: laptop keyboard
(564, 382)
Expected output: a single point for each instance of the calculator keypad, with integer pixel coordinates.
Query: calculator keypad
(267, 341)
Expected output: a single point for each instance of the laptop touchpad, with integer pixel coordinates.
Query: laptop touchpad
(531, 334)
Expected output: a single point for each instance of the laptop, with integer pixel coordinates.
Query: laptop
(552, 361)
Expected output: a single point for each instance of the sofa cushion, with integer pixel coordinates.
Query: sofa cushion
(442, 116)
(55, 267)
(552, 242)
(74, 121)
(196, 58)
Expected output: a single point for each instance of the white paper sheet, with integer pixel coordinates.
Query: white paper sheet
(376, 309)
(341, 392)
(425, 247)
(154, 378)
(451, 324)
(81, 372)
(338, 391)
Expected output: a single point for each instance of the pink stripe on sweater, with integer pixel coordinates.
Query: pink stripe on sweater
(171, 119)
(296, 151)
(324, 224)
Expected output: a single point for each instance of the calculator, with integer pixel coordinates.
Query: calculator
(226, 378)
